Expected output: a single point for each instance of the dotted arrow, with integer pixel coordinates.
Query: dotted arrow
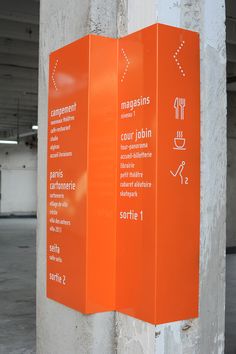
(175, 56)
(53, 74)
(127, 64)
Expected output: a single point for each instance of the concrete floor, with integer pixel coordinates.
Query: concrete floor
(17, 286)
(17, 289)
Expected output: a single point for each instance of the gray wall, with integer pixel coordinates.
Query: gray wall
(18, 179)
(62, 330)
(231, 176)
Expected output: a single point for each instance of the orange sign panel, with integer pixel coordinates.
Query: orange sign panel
(158, 174)
(81, 175)
(124, 175)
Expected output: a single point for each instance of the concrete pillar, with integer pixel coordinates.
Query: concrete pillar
(206, 334)
(61, 330)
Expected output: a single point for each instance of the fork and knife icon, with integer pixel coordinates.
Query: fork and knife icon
(179, 106)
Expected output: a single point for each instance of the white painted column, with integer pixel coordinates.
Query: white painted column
(205, 334)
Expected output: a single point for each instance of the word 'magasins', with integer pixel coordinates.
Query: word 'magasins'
(141, 101)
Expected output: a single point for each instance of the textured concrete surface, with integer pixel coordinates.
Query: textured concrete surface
(17, 286)
(230, 312)
(61, 330)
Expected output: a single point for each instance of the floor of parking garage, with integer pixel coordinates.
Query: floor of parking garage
(17, 286)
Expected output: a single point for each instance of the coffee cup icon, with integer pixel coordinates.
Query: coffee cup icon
(179, 141)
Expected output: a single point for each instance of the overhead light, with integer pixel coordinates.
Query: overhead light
(8, 142)
(34, 127)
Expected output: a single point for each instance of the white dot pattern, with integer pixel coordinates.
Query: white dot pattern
(53, 73)
(175, 56)
(127, 65)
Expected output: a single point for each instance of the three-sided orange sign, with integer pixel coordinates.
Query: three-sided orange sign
(124, 174)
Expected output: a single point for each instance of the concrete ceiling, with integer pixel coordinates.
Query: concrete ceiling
(19, 40)
(231, 44)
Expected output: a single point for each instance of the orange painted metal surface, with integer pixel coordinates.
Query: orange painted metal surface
(123, 198)
(158, 175)
(81, 178)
